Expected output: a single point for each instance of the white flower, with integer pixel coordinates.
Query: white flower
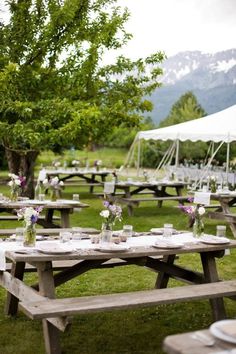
(61, 183)
(75, 162)
(54, 181)
(10, 183)
(45, 182)
(17, 182)
(105, 213)
(201, 210)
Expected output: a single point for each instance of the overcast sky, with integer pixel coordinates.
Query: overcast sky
(179, 25)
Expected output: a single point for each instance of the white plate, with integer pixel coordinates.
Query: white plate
(159, 231)
(112, 248)
(214, 240)
(50, 248)
(38, 237)
(167, 244)
(217, 329)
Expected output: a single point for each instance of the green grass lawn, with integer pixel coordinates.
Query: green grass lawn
(122, 332)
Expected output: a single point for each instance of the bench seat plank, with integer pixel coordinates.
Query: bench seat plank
(70, 306)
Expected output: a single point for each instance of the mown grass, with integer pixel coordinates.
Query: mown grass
(123, 332)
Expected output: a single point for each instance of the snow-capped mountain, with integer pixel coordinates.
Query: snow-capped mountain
(211, 77)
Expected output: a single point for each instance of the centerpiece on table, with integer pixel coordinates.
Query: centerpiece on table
(145, 175)
(195, 218)
(212, 184)
(76, 164)
(30, 216)
(54, 185)
(97, 164)
(56, 164)
(110, 215)
(17, 184)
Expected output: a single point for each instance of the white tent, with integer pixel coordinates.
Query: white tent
(217, 127)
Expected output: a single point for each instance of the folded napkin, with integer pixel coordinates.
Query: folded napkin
(2, 259)
(7, 246)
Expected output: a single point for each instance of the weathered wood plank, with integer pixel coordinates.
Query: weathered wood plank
(89, 304)
(26, 293)
(53, 231)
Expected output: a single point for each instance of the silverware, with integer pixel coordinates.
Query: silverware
(203, 338)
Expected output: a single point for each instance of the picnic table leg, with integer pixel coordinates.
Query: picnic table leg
(65, 217)
(11, 305)
(159, 203)
(92, 181)
(163, 278)
(47, 289)
(226, 209)
(211, 275)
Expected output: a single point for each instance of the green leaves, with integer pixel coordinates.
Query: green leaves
(54, 92)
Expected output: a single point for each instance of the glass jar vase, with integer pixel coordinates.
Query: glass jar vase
(198, 228)
(106, 233)
(53, 195)
(14, 195)
(29, 235)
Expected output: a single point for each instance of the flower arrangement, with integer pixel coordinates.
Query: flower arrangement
(195, 220)
(56, 164)
(194, 212)
(17, 184)
(30, 216)
(55, 185)
(145, 175)
(110, 214)
(75, 163)
(212, 183)
(115, 176)
(97, 164)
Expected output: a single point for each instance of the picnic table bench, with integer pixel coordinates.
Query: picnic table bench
(54, 312)
(131, 202)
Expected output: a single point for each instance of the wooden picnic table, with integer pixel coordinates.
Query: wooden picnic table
(91, 176)
(223, 212)
(39, 301)
(133, 192)
(185, 343)
(65, 208)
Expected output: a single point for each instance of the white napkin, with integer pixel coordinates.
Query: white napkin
(7, 246)
(2, 259)
(109, 187)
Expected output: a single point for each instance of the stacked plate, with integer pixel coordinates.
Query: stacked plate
(214, 240)
(225, 330)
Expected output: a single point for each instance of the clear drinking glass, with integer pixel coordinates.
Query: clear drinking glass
(65, 236)
(19, 234)
(167, 230)
(127, 230)
(41, 197)
(221, 230)
(76, 233)
(76, 197)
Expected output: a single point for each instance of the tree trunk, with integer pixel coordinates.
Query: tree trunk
(23, 162)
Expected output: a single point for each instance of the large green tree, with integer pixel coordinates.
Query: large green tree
(187, 108)
(54, 90)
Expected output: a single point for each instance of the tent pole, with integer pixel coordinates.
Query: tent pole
(227, 163)
(177, 154)
(138, 162)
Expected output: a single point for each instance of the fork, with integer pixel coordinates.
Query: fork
(203, 338)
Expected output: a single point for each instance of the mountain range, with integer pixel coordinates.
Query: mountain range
(211, 78)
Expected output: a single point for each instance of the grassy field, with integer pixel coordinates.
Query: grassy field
(122, 332)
